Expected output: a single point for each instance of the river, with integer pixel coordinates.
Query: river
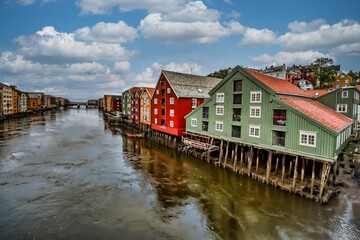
(67, 175)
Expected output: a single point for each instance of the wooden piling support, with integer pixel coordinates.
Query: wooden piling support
(302, 171)
(221, 151)
(250, 155)
(324, 176)
(276, 164)
(295, 174)
(283, 169)
(208, 153)
(290, 168)
(241, 156)
(226, 154)
(257, 161)
(312, 178)
(236, 156)
(268, 167)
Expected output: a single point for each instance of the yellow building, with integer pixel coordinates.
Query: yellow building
(342, 80)
(15, 96)
(145, 107)
(35, 100)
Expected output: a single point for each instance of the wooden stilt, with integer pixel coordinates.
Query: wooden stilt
(277, 164)
(324, 176)
(221, 151)
(283, 169)
(257, 161)
(302, 171)
(236, 156)
(290, 168)
(226, 154)
(250, 155)
(312, 178)
(241, 156)
(208, 153)
(335, 167)
(295, 174)
(232, 153)
(268, 167)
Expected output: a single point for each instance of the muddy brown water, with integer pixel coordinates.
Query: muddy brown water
(66, 175)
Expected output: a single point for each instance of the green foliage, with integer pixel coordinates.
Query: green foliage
(324, 73)
(222, 73)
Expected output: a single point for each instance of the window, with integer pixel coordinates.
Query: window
(205, 126)
(171, 100)
(163, 101)
(168, 90)
(162, 92)
(236, 131)
(193, 122)
(205, 113)
(236, 114)
(220, 97)
(171, 112)
(237, 98)
(254, 131)
(163, 112)
(255, 97)
(219, 126)
(255, 112)
(308, 139)
(155, 120)
(194, 103)
(163, 123)
(238, 86)
(345, 94)
(171, 123)
(157, 91)
(278, 138)
(219, 110)
(279, 117)
(342, 108)
(155, 111)
(155, 100)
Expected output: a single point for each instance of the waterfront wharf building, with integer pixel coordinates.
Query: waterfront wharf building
(271, 130)
(126, 102)
(36, 100)
(145, 108)
(177, 94)
(135, 106)
(23, 102)
(112, 103)
(6, 98)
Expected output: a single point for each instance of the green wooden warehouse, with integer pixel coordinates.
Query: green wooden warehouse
(271, 130)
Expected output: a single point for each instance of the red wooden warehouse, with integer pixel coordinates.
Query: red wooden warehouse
(176, 95)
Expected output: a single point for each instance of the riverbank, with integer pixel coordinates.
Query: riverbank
(25, 114)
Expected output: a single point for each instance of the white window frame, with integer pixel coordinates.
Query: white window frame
(172, 100)
(155, 101)
(341, 108)
(255, 97)
(345, 94)
(253, 132)
(193, 103)
(255, 111)
(168, 90)
(220, 97)
(219, 110)
(219, 126)
(307, 134)
(155, 111)
(155, 121)
(157, 91)
(172, 112)
(194, 122)
(172, 124)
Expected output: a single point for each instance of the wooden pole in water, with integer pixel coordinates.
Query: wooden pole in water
(250, 155)
(277, 164)
(325, 174)
(236, 156)
(241, 156)
(232, 153)
(221, 151)
(208, 153)
(295, 173)
(302, 171)
(312, 178)
(226, 154)
(290, 168)
(257, 161)
(283, 169)
(268, 167)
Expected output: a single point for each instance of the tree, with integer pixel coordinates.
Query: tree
(325, 74)
(222, 73)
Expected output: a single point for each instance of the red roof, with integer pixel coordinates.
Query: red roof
(278, 85)
(357, 87)
(317, 93)
(151, 91)
(319, 112)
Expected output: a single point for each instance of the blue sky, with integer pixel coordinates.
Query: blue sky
(87, 48)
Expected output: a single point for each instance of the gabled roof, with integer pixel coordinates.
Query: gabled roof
(317, 92)
(278, 85)
(150, 91)
(319, 112)
(190, 86)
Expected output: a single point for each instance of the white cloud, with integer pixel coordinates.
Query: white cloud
(122, 67)
(290, 58)
(48, 45)
(255, 37)
(26, 2)
(107, 32)
(105, 6)
(352, 49)
(317, 35)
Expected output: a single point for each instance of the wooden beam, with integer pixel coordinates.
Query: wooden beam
(312, 178)
(257, 161)
(283, 169)
(208, 153)
(295, 173)
(236, 155)
(324, 176)
(226, 153)
(221, 151)
(241, 156)
(277, 164)
(268, 167)
(250, 155)
(302, 171)
(290, 168)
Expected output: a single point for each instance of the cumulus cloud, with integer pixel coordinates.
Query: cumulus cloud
(257, 37)
(105, 6)
(122, 67)
(107, 32)
(317, 34)
(48, 45)
(290, 58)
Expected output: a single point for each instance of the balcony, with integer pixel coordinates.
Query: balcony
(279, 117)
